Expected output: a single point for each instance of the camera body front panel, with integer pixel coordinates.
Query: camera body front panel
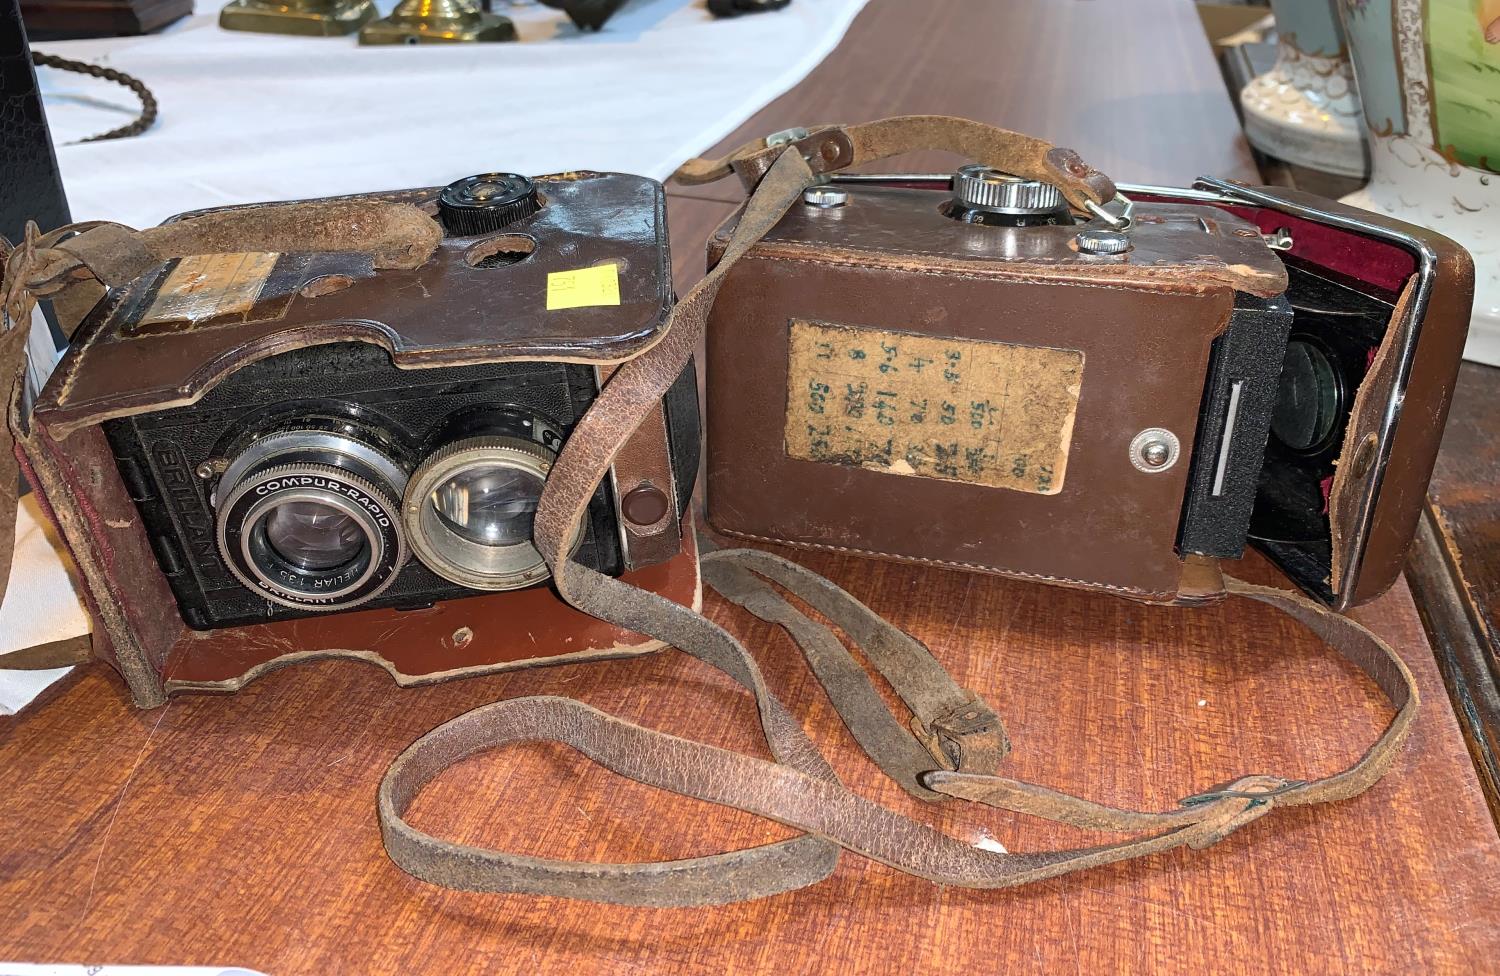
(173, 461)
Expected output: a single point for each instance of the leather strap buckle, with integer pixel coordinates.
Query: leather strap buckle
(1258, 790)
(785, 136)
(970, 738)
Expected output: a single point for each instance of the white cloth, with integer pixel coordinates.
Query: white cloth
(40, 606)
(249, 117)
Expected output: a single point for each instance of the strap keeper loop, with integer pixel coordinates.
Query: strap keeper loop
(825, 150)
(970, 738)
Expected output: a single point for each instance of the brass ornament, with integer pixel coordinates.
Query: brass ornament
(437, 22)
(314, 18)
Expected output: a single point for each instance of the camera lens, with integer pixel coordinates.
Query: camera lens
(490, 504)
(307, 519)
(469, 509)
(1306, 416)
(313, 535)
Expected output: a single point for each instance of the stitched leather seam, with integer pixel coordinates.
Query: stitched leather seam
(1019, 574)
(1044, 262)
(416, 197)
(1038, 279)
(72, 361)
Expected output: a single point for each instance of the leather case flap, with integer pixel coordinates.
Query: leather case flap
(166, 338)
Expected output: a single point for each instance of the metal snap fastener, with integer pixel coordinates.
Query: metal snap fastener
(645, 505)
(1154, 450)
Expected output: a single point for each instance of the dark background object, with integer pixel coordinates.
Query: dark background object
(140, 124)
(55, 20)
(587, 14)
(1454, 570)
(30, 187)
(733, 8)
(30, 184)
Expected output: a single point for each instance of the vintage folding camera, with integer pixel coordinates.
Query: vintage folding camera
(961, 371)
(261, 454)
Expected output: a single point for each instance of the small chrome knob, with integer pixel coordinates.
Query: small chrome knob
(1097, 241)
(825, 197)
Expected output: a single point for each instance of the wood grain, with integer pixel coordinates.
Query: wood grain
(1133, 87)
(1455, 570)
(242, 829)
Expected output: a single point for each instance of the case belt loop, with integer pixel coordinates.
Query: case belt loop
(969, 738)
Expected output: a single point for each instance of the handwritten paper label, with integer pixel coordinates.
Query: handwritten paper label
(583, 288)
(210, 286)
(984, 413)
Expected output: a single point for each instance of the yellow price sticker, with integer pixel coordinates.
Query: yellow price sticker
(584, 288)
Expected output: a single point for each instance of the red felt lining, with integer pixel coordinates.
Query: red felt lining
(1366, 259)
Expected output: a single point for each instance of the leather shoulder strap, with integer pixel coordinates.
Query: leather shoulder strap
(956, 740)
(797, 788)
(827, 148)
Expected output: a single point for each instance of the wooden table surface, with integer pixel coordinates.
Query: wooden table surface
(1456, 567)
(241, 830)
(1151, 108)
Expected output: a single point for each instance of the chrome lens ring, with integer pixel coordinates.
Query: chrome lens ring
(442, 544)
(364, 513)
(276, 449)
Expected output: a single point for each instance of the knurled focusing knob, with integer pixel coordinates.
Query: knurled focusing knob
(484, 204)
(983, 195)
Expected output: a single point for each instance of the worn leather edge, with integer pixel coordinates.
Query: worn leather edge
(129, 657)
(1131, 277)
(1144, 596)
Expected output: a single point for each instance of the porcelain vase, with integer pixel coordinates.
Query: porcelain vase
(1306, 110)
(1429, 80)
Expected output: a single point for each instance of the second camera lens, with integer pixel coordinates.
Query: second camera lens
(490, 504)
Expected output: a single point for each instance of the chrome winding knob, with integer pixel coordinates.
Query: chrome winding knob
(982, 195)
(989, 189)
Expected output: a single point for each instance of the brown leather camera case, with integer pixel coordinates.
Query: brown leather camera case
(891, 264)
(441, 311)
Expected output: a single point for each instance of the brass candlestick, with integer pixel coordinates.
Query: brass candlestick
(318, 18)
(437, 22)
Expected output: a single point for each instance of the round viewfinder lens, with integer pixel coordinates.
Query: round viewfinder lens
(489, 504)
